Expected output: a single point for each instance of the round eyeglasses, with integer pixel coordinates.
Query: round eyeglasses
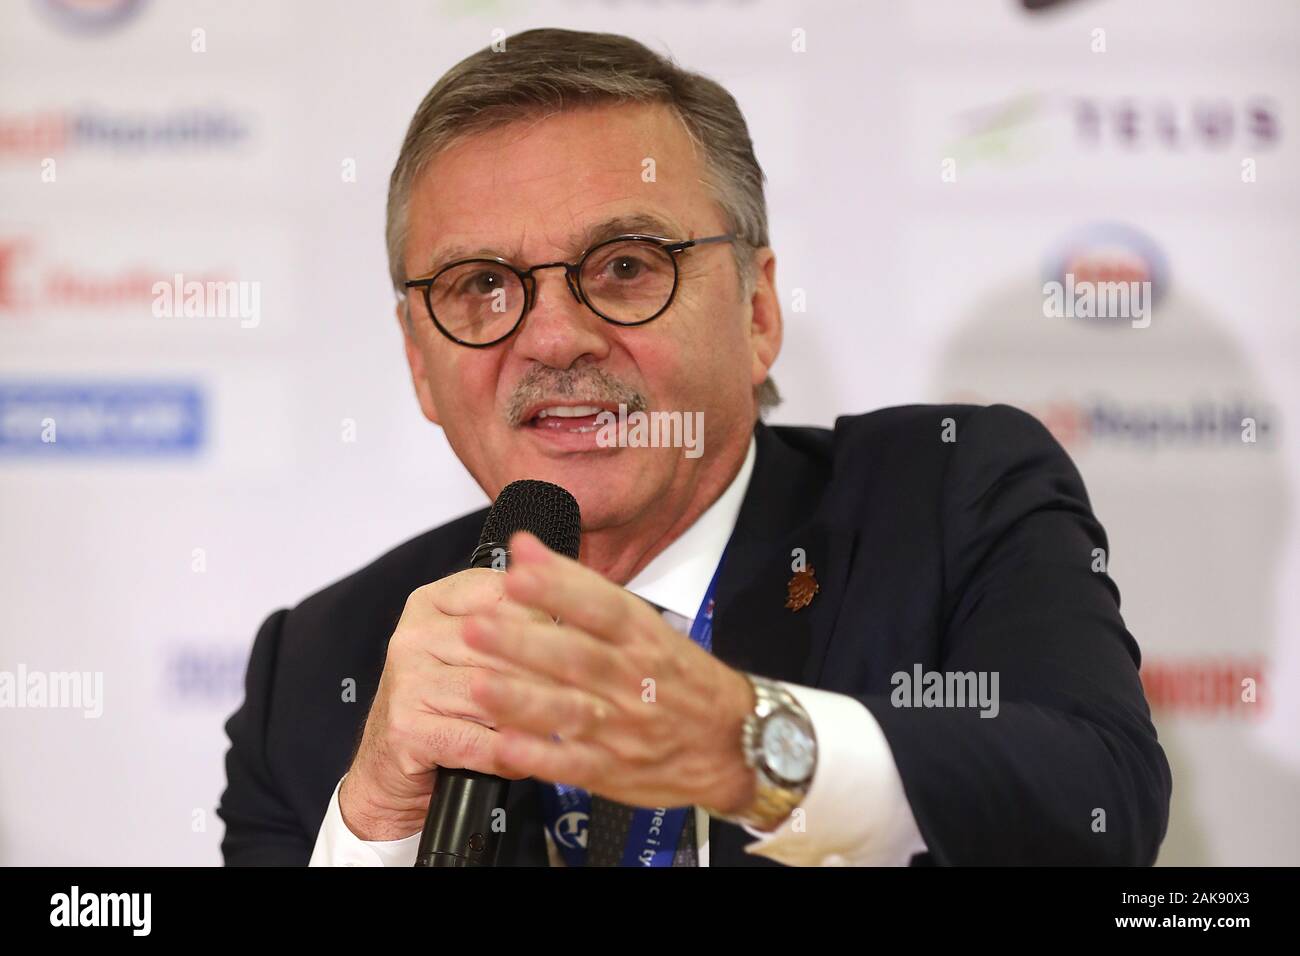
(627, 280)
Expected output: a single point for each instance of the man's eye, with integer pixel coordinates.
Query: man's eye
(626, 267)
(480, 283)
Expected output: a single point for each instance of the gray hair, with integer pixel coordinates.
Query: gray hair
(540, 71)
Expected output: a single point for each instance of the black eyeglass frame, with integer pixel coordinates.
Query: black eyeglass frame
(573, 277)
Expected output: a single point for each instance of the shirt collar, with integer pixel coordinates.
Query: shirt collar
(678, 576)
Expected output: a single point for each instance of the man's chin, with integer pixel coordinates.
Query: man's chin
(608, 484)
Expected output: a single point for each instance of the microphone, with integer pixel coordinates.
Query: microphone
(458, 829)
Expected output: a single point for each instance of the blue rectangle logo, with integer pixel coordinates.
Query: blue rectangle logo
(100, 418)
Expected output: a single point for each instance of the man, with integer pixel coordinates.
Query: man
(879, 644)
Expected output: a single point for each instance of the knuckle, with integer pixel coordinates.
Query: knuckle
(397, 644)
(576, 717)
(467, 743)
(484, 580)
(441, 640)
(657, 749)
(468, 684)
(417, 600)
(620, 615)
(648, 662)
(400, 690)
(598, 713)
(399, 726)
(407, 762)
(573, 668)
(438, 739)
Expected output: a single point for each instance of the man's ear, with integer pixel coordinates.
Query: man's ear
(415, 359)
(765, 325)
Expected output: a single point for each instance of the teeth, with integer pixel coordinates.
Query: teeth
(569, 411)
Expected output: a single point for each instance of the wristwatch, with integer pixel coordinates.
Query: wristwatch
(779, 744)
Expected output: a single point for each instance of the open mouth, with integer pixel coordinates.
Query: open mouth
(577, 419)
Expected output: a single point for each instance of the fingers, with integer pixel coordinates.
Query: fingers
(441, 691)
(443, 643)
(467, 592)
(521, 704)
(563, 654)
(423, 715)
(435, 615)
(540, 578)
(572, 762)
(446, 742)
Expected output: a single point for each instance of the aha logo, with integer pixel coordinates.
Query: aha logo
(571, 829)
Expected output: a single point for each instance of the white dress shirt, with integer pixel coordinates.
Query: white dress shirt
(855, 812)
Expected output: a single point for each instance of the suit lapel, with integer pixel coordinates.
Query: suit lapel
(753, 629)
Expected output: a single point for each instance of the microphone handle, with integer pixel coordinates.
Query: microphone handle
(458, 830)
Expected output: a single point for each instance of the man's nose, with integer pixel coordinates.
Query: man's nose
(558, 328)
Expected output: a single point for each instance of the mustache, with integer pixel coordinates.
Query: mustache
(589, 385)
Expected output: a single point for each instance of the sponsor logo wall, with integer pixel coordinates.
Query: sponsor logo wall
(205, 413)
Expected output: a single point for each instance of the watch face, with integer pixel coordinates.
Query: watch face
(788, 748)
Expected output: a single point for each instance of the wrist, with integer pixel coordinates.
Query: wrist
(735, 788)
(778, 749)
(372, 817)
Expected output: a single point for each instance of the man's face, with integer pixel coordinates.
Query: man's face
(542, 191)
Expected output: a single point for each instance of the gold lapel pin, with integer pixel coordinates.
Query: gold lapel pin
(800, 590)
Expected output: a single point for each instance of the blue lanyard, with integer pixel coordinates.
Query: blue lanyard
(654, 833)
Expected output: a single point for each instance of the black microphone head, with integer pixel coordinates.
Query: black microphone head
(539, 507)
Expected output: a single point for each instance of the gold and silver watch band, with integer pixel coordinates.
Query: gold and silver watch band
(774, 799)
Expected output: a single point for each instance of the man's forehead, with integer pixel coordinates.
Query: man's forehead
(595, 193)
(597, 152)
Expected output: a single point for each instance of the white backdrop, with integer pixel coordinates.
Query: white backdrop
(204, 476)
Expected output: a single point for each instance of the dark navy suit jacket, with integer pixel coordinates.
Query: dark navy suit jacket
(974, 554)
